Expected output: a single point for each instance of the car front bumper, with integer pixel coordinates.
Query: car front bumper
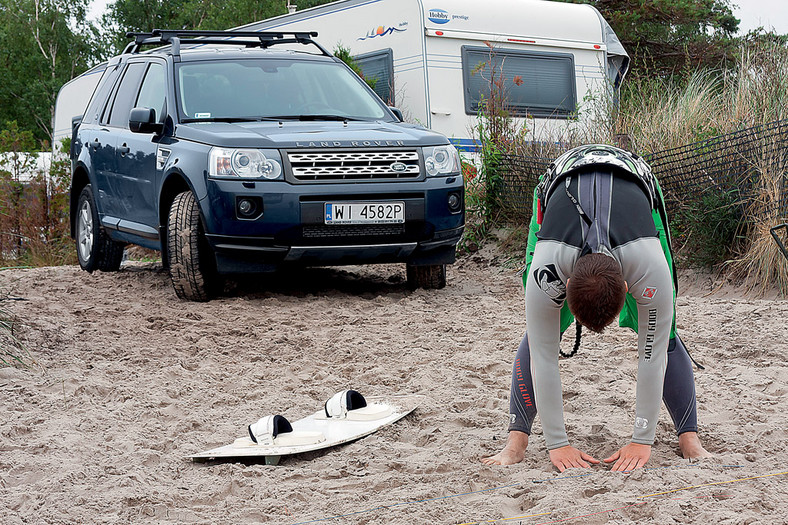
(291, 228)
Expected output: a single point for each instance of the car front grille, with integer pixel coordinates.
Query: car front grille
(319, 231)
(341, 166)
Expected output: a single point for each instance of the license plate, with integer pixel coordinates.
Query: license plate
(365, 212)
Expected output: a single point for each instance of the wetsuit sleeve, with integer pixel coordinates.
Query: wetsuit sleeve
(650, 283)
(545, 292)
(533, 229)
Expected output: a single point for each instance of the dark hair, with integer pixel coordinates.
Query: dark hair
(596, 291)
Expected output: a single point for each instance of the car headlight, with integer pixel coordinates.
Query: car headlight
(442, 161)
(245, 163)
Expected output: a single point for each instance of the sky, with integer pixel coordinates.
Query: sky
(771, 14)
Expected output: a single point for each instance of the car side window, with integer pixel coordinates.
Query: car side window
(99, 99)
(153, 93)
(125, 95)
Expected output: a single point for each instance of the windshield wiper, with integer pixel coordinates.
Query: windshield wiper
(232, 119)
(339, 118)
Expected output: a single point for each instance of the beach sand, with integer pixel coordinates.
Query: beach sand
(127, 381)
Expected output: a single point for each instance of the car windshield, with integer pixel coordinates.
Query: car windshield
(261, 89)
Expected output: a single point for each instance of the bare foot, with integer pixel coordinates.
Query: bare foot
(512, 453)
(689, 444)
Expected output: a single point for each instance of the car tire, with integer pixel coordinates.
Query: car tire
(95, 250)
(192, 265)
(431, 276)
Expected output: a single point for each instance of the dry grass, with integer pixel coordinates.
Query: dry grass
(759, 93)
(760, 96)
(760, 264)
(660, 114)
(12, 350)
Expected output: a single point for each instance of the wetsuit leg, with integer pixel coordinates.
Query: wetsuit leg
(522, 408)
(678, 392)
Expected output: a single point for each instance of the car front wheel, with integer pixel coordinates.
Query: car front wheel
(95, 250)
(191, 261)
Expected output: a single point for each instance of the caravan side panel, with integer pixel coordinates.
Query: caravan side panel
(72, 100)
(553, 56)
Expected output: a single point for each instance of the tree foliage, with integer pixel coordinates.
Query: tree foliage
(667, 37)
(43, 44)
(343, 53)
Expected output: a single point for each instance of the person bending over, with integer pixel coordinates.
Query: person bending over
(599, 249)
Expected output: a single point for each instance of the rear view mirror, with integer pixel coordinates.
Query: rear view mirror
(143, 120)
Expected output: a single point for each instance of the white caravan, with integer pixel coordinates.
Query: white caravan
(72, 100)
(557, 59)
(425, 55)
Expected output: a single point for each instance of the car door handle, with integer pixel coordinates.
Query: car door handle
(123, 150)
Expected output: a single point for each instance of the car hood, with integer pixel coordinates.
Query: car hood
(308, 134)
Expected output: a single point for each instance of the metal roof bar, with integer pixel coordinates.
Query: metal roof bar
(263, 39)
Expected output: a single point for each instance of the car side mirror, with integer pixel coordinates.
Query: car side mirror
(143, 120)
(398, 113)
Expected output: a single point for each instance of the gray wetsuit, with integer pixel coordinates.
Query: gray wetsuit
(597, 211)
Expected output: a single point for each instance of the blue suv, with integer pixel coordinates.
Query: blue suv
(240, 152)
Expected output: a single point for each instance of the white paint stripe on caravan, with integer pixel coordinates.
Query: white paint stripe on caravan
(407, 62)
(414, 68)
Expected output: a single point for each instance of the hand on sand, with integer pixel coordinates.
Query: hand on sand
(570, 457)
(512, 453)
(630, 457)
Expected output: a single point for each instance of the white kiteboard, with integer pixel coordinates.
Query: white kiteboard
(379, 412)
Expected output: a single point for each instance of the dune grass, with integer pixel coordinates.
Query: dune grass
(12, 350)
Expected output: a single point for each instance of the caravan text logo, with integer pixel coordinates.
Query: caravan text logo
(439, 16)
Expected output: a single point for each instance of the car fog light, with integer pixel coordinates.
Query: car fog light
(248, 207)
(455, 202)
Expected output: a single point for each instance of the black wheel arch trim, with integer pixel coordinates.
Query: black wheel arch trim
(80, 177)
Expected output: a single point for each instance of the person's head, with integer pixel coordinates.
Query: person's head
(596, 291)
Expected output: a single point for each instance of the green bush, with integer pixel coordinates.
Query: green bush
(708, 231)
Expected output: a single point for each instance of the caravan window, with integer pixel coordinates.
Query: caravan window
(548, 80)
(380, 67)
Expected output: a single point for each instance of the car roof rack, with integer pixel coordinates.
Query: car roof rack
(263, 39)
